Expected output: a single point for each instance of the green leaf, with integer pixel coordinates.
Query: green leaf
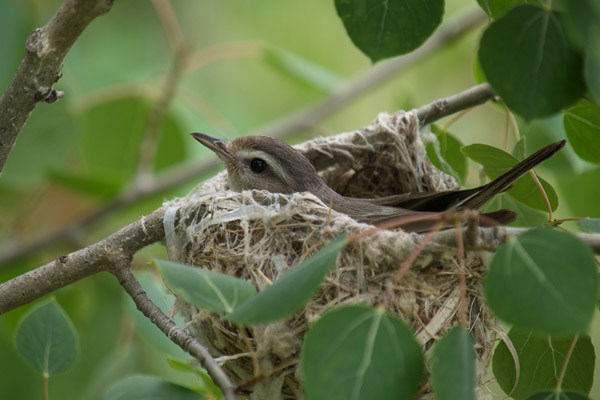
(582, 124)
(540, 357)
(446, 155)
(44, 145)
(526, 216)
(206, 289)
(520, 149)
(453, 366)
(544, 280)
(302, 70)
(47, 339)
(288, 294)
(110, 143)
(360, 352)
(591, 73)
(582, 21)
(529, 62)
(205, 383)
(583, 189)
(387, 28)
(495, 162)
(590, 224)
(495, 8)
(142, 387)
(100, 187)
(171, 148)
(552, 395)
(181, 366)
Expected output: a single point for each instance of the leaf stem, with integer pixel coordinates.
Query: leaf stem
(563, 370)
(544, 194)
(46, 378)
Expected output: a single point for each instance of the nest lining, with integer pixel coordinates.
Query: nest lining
(259, 236)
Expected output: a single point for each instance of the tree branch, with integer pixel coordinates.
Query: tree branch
(82, 263)
(442, 108)
(187, 342)
(149, 229)
(42, 65)
(112, 254)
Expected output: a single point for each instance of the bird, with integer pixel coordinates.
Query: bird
(265, 163)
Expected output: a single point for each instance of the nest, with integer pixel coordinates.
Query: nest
(259, 236)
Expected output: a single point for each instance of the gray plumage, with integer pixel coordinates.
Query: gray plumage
(286, 170)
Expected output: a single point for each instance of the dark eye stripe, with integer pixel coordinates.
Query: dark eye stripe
(258, 165)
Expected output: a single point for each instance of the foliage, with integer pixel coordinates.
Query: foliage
(47, 339)
(446, 155)
(545, 294)
(495, 162)
(529, 62)
(146, 387)
(541, 58)
(539, 358)
(385, 361)
(453, 366)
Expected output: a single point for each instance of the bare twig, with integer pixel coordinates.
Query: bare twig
(352, 90)
(184, 340)
(441, 108)
(42, 65)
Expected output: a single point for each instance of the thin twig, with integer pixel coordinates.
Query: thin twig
(441, 108)
(41, 67)
(188, 343)
(405, 266)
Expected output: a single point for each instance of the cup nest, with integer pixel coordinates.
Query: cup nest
(259, 236)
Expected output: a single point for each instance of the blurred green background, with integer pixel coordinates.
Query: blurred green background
(251, 64)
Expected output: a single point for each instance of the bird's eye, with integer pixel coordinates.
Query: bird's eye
(258, 165)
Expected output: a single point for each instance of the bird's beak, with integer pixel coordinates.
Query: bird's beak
(217, 145)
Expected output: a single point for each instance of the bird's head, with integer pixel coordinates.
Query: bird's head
(264, 163)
